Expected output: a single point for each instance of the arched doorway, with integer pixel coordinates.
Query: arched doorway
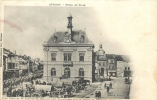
(102, 72)
(67, 72)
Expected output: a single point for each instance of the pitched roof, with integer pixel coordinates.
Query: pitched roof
(123, 58)
(126, 58)
(110, 56)
(76, 35)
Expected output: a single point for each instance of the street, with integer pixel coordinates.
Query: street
(119, 90)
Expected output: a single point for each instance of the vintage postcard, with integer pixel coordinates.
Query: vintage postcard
(104, 49)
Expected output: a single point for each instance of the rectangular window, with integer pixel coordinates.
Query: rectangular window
(125, 68)
(128, 68)
(53, 57)
(67, 56)
(81, 56)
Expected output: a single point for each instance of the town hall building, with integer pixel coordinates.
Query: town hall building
(68, 55)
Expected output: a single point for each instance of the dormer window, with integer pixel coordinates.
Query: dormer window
(82, 39)
(55, 39)
(69, 38)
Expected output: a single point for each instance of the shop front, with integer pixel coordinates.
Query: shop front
(112, 73)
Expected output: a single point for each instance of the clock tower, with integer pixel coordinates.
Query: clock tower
(70, 26)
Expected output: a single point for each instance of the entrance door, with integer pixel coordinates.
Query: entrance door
(67, 72)
(102, 72)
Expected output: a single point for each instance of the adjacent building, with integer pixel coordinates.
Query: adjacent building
(11, 64)
(111, 64)
(101, 63)
(68, 55)
(15, 65)
(124, 67)
(112, 67)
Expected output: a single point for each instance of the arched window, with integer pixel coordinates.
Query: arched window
(67, 72)
(128, 68)
(53, 72)
(81, 72)
(125, 68)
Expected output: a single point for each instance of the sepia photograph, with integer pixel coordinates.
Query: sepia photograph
(74, 50)
(47, 52)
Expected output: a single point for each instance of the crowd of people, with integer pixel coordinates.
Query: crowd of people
(15, 87)
(11, 86)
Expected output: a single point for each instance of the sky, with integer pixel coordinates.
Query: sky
(27, 27)
(31, 26)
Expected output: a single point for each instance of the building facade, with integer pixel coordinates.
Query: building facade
(101, 63)
(123, 69)
(111, 64)
(15, 65)
(11, 66)
(68, 55)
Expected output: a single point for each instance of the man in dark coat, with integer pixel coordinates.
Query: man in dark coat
(99, 94)
(108, 89)
(105, 85)
(14, 93)
(63, 84)
(96, 94)
(52, 88)
(110, 85)
(32, 82)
